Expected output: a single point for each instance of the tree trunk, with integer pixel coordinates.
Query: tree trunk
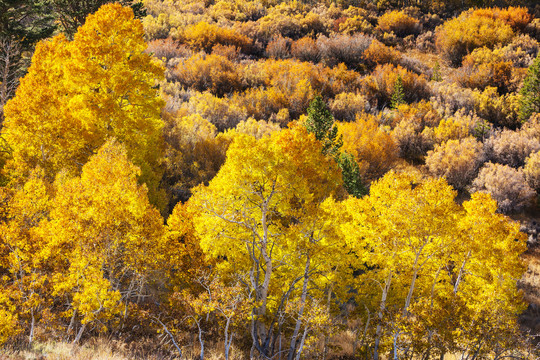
(378, 332)
(292, 348)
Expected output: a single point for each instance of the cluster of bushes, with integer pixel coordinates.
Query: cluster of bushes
(440, 94)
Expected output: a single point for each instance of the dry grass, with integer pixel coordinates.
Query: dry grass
(95, 349)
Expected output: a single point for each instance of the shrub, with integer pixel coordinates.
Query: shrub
(411, 133)
(532, 171)
(373, 148)
(484, 67)
(517, 17)
(209, 72)
(257, 129)
(346, 106)
(521, 51)
(506, 185)
(379, 86)
(230, 52)
(456, 127)
(355, 24)
(204, 36)
(279, 48)
(166, 49)
(377, 53)
(347, 49)
(459, 36)
(399, 23)
(511, 147)
(498, 110)
(457, 160)
(305, 49)
(221, 112)
(452, 97)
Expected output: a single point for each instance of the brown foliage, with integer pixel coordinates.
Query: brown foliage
(511, 147)
(506, 185)
(214, 73)
(456, 160)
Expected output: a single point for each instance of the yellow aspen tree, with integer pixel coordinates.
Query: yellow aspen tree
(109, 235)
(26, 292)
(78, 93)
(262, 216)
(436, 273)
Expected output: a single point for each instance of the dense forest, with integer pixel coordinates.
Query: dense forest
(237, 179)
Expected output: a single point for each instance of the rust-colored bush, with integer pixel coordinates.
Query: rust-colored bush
(204, 36)
(279, 48)
(506, 185)
(209, 72)
(305, 49)
(377, 53)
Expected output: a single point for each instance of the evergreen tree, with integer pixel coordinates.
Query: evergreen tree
(398, 95)
(530, 92)
(352, 180)
(321, 122)
(25, 21)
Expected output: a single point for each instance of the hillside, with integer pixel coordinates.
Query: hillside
(265, 179)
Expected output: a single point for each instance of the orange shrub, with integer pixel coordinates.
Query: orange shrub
(377, 53)
(399, 23)
(456, 160)
(305, 49)
(372, 147)
(204, 36)
(517, 17)
(379, 86)
(209, 72)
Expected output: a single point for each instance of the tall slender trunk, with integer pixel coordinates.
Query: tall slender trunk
(32, 326)
(292, 348)
(378, 332)
(79, 334)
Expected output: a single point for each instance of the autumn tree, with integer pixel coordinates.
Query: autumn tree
(27, 294)
(424, 253)
(109, 237)
(261, 208)
(77, 94)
